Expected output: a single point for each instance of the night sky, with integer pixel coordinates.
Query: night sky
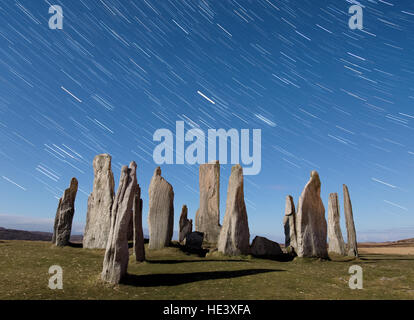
(326, 98)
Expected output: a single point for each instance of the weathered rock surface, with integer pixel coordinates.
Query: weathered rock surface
(336, 241)
(350, 225)
(194, 240)
(139, 250)
(186, 226)
(263, 247)
(234, 236)
(161, 211)
(98, 218)
(311, 227)
(131, 231)
(289, 225)
(115, 263)
(208, 215)
(64, 215)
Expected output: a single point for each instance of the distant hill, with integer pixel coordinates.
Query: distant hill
(405, 241)
(10, 234)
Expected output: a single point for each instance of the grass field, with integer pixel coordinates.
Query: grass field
(173, 274)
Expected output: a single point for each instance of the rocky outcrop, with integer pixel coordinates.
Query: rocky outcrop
(234, 236)
(139, 250)
(64, 215)
(350, 225)
(289, 225)
(311, 227)
(194, 240)
(116, 259)
(161, 211)
(335, 239)
(186, 226)
(207, 218)
(98, 218)
(263, 247)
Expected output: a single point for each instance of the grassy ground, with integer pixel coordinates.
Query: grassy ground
(172, 274)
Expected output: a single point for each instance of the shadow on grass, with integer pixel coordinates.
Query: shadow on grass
(373, 258)
(380, 257)
(174, 279)
(75, 244)
(338, 258)
(280, 258)
(201, 252)
(190, 261)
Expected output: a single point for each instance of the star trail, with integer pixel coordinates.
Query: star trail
(326, 98)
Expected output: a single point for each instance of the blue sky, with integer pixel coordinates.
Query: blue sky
(326, 98)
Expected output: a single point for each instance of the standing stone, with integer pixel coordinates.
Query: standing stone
(64, 215)
(139, 250)
(234, 236)
(115, 263)
(311, 227)
(186, 226)
(208, 215)
(161, 211)
(350, 225)
(98, 218)
(289, 225)
(336, 241)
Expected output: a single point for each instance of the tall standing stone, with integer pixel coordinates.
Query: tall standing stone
(350, 225)
(139, 250)
(336, 241)
(289, 225)
(186, 226)
(208, 215)
(64, 215)
(116, 259)
(234, 237)
(311, 227)
(100, 202)
(161, 211)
